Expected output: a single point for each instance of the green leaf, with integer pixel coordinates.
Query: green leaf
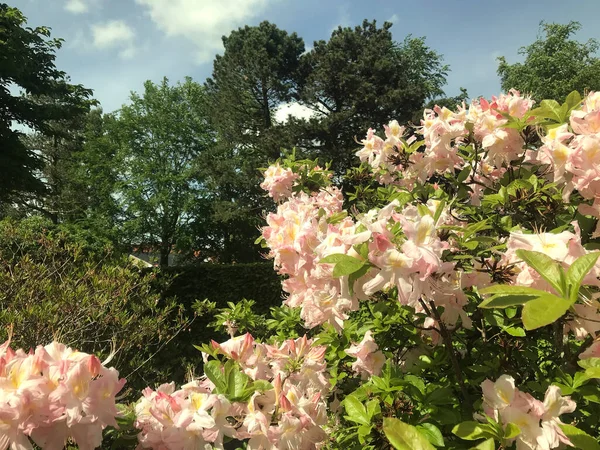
(237, 384)
(515, 331)
(518, 184)
(589, 362)
(462, 176)
(356, 410)
(573, 100)
(334, 258)
(511, 289)
(577, 272)
(439, 210)
(262, 385)
(488, 444)
(579, 438)
(548, 109)
(363, 432)
(511, 431)
(213, 371)
(337, 217)
(356, 275)
(432, 433)
(506, 295)
(403, 436)
(543, 311)
(362, 250)
(505, 301)
(373, 408)
(471, 431)
(592, 372)
(344, 264)
(548, 268)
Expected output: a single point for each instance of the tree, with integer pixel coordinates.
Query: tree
(554, 64)
(255, 75)
(88, 206)
(27, 64)
(161, 137)
(360, 79)
(59, 150)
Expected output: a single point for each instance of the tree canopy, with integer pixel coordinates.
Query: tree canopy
(360, 78)
(33, 94)
(254, 76)
(554, 65)
(160, 136)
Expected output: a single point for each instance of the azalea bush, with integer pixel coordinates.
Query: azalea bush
(449, 300)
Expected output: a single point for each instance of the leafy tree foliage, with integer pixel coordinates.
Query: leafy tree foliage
(60, 151)
(27, 64)
(250, 80)
(359, 79)
(554, 64)
(160, 136)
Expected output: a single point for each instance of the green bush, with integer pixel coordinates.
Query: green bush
(52, 286)
(220, 284)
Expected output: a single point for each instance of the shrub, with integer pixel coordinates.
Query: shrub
(52, 287)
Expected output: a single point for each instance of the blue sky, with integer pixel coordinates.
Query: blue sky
(113, 46)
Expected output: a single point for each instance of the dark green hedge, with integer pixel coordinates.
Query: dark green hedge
(222, 283)
(219, 283)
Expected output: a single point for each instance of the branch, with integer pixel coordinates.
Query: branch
(447, 338)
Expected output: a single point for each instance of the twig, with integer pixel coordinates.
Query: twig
(185, 325)
(447, 338)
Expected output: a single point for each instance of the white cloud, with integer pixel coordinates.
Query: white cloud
(114, 34)
(293, 109)
(80, 6)
(76, 6)
(203, 22)
(393, 19)
(111, 34)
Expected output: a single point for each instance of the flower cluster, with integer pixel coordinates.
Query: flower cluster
(573, 155)
(402, 250)
(55, 394)
(278, 182)
(285, 407)
(369, 359)
(538, 422)
(564, 247)
(444, 131)
(299, 235)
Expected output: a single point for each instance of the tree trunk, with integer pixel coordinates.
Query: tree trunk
(165, 251)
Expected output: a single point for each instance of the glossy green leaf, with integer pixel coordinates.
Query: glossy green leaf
(573, 100)
(403, 436)
(589, 362)
(577, 272)
(464, 173)
(548, 268)
(505, 301)
(579, 438)
(356, 410)
(348, 267)
(471, 431)
(515, 331)
(511, 289)
(543, 311)
(356, 275)
(488, 444)
(432, 433)
(213, 371)
(511, 431)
